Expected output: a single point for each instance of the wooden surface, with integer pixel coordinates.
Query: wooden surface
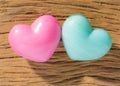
(60, 70)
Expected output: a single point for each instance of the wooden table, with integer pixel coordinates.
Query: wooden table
(60, 70)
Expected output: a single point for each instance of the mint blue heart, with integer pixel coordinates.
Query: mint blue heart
(81, 41)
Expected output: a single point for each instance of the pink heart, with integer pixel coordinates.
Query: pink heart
(38, 41)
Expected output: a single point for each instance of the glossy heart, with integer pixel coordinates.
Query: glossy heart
(38, 41)
(81, 41)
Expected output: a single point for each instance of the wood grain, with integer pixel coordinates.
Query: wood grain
(60, 70)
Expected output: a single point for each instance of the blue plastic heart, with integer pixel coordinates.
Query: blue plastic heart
(81, 41)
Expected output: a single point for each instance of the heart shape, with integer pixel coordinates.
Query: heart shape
(38, 41)
(81, 41)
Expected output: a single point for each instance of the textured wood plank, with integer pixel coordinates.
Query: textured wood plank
(60, 70)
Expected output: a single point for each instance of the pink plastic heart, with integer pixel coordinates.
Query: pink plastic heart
(38, 41)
